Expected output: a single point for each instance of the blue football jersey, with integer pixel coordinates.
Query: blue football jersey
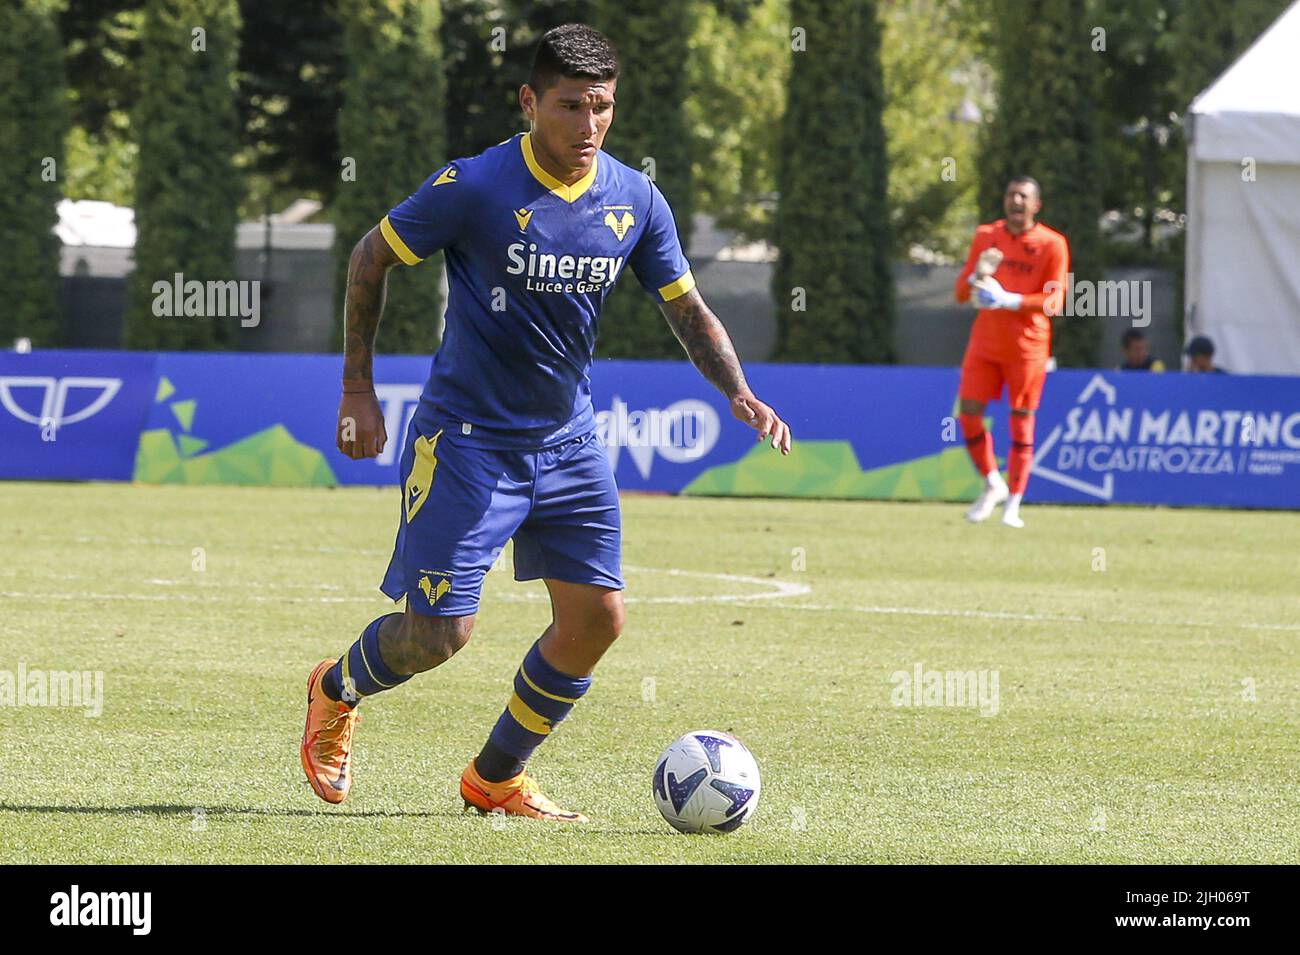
(529, 263)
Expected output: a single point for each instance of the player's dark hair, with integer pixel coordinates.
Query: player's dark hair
(1131, 336)
(1029, 179)
(572, 50)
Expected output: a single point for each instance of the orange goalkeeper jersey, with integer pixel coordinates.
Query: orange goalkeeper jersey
(1030, 261)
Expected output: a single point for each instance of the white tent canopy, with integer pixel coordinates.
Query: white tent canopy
(1243, 207)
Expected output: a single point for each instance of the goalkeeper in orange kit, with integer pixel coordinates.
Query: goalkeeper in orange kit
(1016, 276)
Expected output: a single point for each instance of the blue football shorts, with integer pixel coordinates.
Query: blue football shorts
(461, 502)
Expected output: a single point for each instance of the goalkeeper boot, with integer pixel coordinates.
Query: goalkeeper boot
(1011, 513)
(994, 493)
(518, 796)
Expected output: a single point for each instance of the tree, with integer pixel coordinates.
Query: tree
(102, 54)
(935, 89)
(187, 189)
(391, 137)
(833, 283)
(291, 65)
(33, 121)
(738, 69)
(1049, 127)
(650, 133)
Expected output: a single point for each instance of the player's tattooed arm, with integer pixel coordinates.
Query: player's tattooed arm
(706, 341)
(364, 304)
(361, 431)
(710, 349)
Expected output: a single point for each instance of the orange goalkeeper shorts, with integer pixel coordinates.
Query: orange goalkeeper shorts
(982, 378)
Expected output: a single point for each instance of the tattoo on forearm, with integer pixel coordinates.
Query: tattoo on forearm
(364, 305)
(706, 342)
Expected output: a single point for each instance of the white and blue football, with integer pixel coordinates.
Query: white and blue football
(706, 781)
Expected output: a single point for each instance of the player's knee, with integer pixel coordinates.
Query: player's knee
(1022, 428)
(435, 640)
(617, 618)
(970, 406)
(604, 623)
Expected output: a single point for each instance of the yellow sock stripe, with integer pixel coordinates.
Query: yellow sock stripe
(527, 717)
(386, 686)
(550, 696)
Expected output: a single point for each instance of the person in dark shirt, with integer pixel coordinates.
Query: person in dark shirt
(1136, 355)
(1200, 356)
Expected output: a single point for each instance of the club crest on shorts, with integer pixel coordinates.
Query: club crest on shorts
(433, 584)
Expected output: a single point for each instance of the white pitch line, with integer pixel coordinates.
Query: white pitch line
(1039, 617)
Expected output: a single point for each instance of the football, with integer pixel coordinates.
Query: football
(706, 781)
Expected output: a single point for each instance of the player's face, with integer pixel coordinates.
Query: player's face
(570, 120)
(1021, 204)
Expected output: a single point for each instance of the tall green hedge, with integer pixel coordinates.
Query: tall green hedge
(187, 189)
(1047, 125)
(650, 133)
(33, 120)
(391, 136)
(833, 284)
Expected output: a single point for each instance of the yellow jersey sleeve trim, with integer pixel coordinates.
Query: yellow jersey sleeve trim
(567, 193)
(676, 289)
(396, 244)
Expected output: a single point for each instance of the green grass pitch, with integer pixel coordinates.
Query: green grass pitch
(1147, 660)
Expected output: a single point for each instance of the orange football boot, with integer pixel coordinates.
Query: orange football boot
(515, 797)
(327, 740)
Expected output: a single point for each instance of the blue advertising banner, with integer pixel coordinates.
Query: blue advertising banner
(72, 415)
(266, 419)
(860, 431)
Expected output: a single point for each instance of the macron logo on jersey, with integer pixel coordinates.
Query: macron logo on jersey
(566, 274)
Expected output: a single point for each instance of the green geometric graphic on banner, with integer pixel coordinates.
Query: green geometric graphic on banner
(271, 457)
(184, 412)
(831, 469)
(190, 445)
(165, 390)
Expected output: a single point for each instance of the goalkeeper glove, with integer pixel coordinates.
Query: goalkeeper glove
(989, 293)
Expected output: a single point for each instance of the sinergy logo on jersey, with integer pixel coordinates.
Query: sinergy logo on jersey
(685, 431)
(565, 274)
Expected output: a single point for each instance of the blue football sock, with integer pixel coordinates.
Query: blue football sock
(543, 696)
(361, 672)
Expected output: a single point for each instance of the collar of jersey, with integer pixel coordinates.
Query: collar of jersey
(1030, 231)
(567, 193)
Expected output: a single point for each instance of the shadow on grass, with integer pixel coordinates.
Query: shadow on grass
(236, 811)
(165, 810)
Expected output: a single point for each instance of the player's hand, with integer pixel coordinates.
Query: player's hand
(361, 433)
(762, 419)
(989, 293)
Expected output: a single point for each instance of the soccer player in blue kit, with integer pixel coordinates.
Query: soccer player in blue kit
(503, 445)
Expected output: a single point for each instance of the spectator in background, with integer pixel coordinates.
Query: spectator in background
(1136, 356)
(1200, 356)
